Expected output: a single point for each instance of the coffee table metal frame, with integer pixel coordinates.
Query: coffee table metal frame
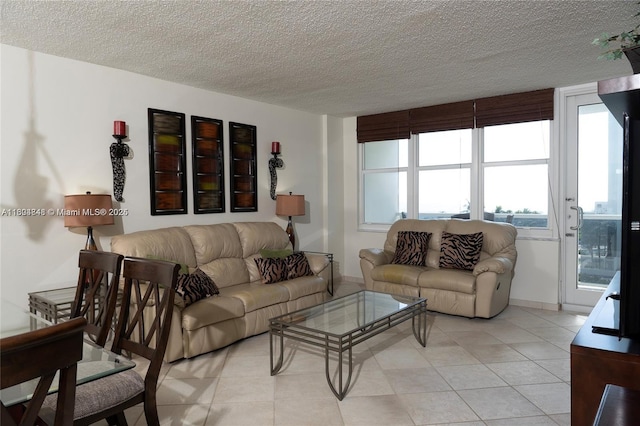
(294, 326)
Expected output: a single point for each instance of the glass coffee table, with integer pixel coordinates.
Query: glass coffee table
(340, 324)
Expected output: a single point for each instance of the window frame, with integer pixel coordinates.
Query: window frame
(381, 227)
(478, 167)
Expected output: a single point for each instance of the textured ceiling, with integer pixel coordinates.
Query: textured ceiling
(340, 58)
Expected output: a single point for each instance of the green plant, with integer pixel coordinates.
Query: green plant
(617, 44)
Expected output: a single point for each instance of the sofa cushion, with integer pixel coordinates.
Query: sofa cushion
(255, 236)
(227, 272)
(460, 251)
(211, 310)
(155, 243)
(297, 266)
(411, 248)
(498, 238)
(195, 286)
(434, 227)
(256, 295)
(303, 286)
(272, 269)
(399, 274)
(448, 279)
(211, 242)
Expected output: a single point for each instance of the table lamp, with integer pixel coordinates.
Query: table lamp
(290, 205)
(88, 210)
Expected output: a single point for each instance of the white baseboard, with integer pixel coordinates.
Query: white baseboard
(577, 308)
(535, 305)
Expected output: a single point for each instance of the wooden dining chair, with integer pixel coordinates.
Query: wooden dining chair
(97, 292)
(142, 329)
(41, 354)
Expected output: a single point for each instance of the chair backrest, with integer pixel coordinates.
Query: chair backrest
(145, 312)
(41, 354)
(97, 292)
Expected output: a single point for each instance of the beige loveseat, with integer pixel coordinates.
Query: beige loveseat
(226, 253)
(481, 292)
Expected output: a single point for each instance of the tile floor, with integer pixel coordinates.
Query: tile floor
(510, 370)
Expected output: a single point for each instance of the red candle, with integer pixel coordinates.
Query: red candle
(275, 147)
(120, 128)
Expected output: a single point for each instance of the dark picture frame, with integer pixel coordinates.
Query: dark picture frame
(243, 167)
(207, 146)
(167, 162)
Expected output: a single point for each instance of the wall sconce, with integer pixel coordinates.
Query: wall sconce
(274, 163)
(119, 151)
(88, 210)
(290, 205)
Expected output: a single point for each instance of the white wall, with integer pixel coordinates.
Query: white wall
(56, 118)
(537, 274)
(56, 123)
(335, 191)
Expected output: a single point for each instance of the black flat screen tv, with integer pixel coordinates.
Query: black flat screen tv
(622, 98)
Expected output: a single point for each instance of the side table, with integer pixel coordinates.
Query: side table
(52, 305)
(329, 256)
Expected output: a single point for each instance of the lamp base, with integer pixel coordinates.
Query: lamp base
(91, 243)
(290, 233)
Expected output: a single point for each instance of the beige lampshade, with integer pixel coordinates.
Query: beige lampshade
(88, 210)
(290, 205)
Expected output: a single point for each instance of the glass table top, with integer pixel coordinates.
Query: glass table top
(347, 314)
(96, 361)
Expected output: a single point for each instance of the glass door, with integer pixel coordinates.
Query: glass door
(593, 199)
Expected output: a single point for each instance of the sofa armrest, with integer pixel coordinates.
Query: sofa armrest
(375, 256)
(317, 262)
(499, 265)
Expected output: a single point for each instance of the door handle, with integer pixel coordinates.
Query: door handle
(580, 217)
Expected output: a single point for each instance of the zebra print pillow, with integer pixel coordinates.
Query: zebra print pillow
(460, 251)
(297, 266)
(195, 286)
(411, 248)
(272, 269)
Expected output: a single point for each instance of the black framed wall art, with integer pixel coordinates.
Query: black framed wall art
(244, 168)
(167, 162)
(208, 165)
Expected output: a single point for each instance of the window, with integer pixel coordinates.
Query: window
(384, 181)
(486, 158)
(499, 172)
(444, 173)
(516, 170)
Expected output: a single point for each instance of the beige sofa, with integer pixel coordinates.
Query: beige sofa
(482, 292)
(226, 253)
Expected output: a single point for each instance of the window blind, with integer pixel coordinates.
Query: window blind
(515, 108)
(458, 115)
(504, 109)
(386, 126)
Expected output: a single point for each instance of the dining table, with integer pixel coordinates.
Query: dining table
(97, 362)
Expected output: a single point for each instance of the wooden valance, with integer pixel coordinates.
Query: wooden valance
(381, 127)
(504, 109)
(515, 108)
(458, 115)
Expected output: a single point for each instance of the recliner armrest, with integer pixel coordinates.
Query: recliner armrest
(499, 265)
(376, 256)
(317, 262)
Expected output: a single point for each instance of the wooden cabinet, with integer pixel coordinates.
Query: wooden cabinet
(600, 359)
(619, 407)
